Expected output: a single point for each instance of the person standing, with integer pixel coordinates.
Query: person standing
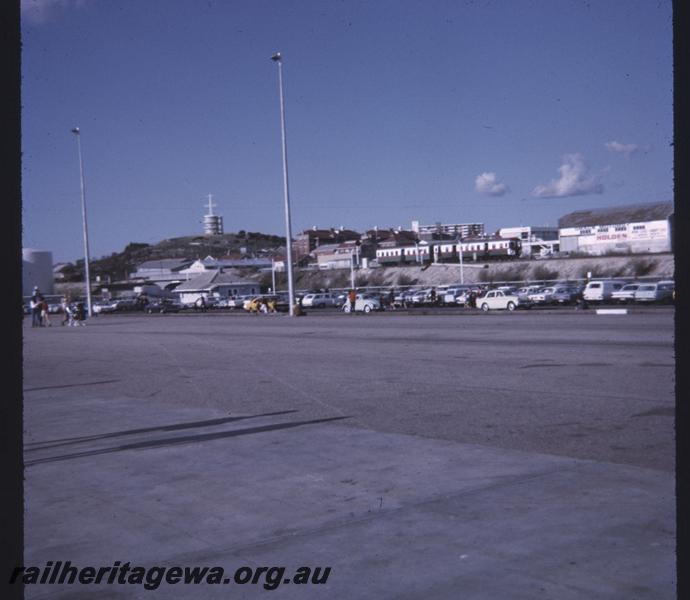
(35, 305)
(67, 317)
(352, 299)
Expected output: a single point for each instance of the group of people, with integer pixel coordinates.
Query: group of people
(40, 315)
(263, 305)
(40, 312)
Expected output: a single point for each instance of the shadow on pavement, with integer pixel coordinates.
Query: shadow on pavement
(69, 385)
(205, 437)
(175, 427)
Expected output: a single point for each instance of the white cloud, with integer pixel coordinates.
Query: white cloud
(486, 184)
(626, 149)
(575, 180)
(41, 11)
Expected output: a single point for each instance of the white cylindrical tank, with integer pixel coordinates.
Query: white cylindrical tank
(37, 270)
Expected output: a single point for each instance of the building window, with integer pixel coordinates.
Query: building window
(603, 229)
(638, 227)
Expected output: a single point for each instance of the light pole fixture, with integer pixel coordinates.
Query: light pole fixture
(286, 190)
(77, 133)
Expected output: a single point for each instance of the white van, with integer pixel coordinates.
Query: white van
(600, 291)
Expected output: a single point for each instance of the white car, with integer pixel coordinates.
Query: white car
(365, 303)
(105, 306)
(525, 292)
(626, 293)
(499, 300)
(421, 296)
(454, 294)
(319, 300)
(654, 292)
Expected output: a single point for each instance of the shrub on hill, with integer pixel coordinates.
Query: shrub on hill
(544, 273)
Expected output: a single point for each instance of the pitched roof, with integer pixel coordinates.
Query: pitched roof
(211, 279)
(165, 263)
(614, 215)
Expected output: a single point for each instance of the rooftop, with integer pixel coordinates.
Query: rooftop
(631, 213)
(205, 281)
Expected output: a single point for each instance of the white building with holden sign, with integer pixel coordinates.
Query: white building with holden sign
(638, 229)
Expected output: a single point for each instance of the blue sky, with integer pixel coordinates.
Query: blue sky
(503, 112)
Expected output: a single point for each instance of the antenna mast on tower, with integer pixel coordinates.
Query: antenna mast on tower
(213, 224)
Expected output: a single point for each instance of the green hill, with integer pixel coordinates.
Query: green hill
(119, 264)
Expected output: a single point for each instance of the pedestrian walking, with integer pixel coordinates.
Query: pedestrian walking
(45, 314)
(80, 315)
(66, 312)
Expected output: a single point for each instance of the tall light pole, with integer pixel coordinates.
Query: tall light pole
(76, 132)
(462, 278)
(286, 191)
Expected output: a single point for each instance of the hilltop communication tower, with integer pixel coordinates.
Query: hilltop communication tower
(213, 224)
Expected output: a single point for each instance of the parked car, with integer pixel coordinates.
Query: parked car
(600, 291)
(54, 308)
(126, 304)
(237, 301)
(499, 300)
(554, 295)
(403, 298)
(654, 292)
(564, 295)
(319, 300)
(163, 305)
(527, 290)
(340, 299)
(626, 293)
(105, 306)
(454, 293)
(418, 297)
(365, 302)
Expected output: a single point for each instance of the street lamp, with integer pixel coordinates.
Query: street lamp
(462, 278)
(291, 295)
(76, 132)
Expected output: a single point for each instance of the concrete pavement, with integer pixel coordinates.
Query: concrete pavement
(116, 472)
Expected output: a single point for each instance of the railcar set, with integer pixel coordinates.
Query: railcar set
(448, 251)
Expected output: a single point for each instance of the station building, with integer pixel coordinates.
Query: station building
(535, 239)
(635, 228)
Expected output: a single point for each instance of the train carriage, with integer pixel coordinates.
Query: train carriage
(483, 248)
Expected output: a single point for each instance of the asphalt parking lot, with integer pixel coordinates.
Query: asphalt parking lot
(501, 455)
